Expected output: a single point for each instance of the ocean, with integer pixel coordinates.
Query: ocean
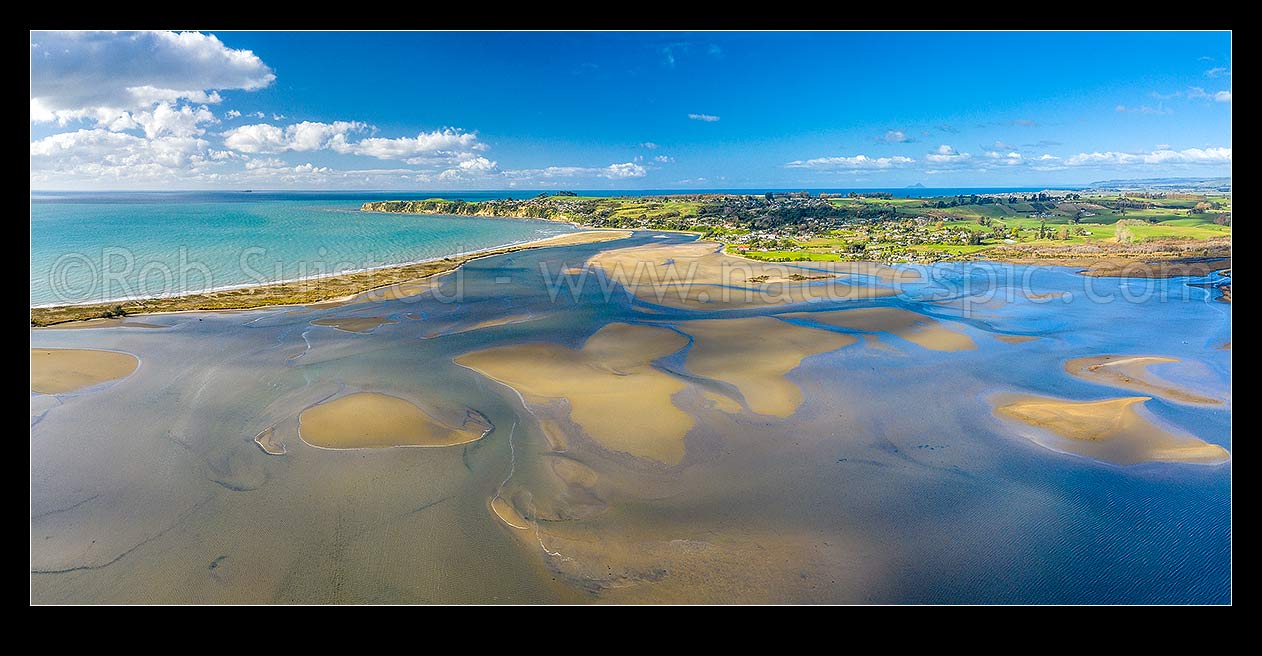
(92, 248)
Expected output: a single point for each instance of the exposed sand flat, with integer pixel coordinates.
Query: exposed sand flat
(614, 394)
(354, 324)
(585, 237)
(57, 371)
(916, 328)
(103, 323)
(1109, 430)
(1016, 339)
(754, 355)
(456, 329)
(721, 402)
(1131, 372)
(696, 275)
(883, 272)
(368, 420)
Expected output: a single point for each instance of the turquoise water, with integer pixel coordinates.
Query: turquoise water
(96, 248)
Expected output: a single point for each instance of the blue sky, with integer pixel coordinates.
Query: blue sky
(465, 110)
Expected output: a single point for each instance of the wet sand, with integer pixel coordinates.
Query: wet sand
(270, 442)
(104, 323)
(1110, 430)
(354, 324)
(1131, 372)
(696, 275)
(367, 420)
(614, 393)
(457, 329)
(916, 328)
(755, 354)
(1016, 339)
(58, 371)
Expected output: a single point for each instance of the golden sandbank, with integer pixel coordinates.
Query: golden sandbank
(1110, 430)
(914, 327)
(614, 393)
(697, 275)
(58, 371)
(754, 354)
(368, 420)
(1016, 339)
(1131, 372)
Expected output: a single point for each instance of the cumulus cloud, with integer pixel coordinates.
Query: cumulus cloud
(1195, 156)
(853, 163)
(78, 75)
(232, 113)
(649, 145)
(449, 147)
(664, 159)
(707, 118)
(1011, 158)
(1222, 97)
(1218, 71)
(945, 154)
(103, 154)
(612, 172)
(896, 136)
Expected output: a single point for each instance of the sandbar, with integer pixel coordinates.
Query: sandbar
(1110, 430)
(368, 420)
(354, 324)
(1131, 372)
(697, 275)
(58, 371)
(112, 322)
(912, 326)
(270, 442)
(488, 323)
(754, 354)
(614, 393)
(1016, 339)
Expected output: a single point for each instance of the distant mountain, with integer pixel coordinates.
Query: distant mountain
(1198, 184)
(916, 186)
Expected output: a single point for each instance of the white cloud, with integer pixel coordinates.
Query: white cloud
(896, 136)
(232, 113)
(1199, 93)
(302, 137)
(257, 114)
(611, 172)
(278, 117)
(1159, 110)
(1164, 156)
(854, 163)
(101, 154)
(1001, 145)
(947, 155)
(78, 75)
(664, 159)
(439, 144)
(1218, 71)
(708, 118)
(1011, 158)
(649, 145)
